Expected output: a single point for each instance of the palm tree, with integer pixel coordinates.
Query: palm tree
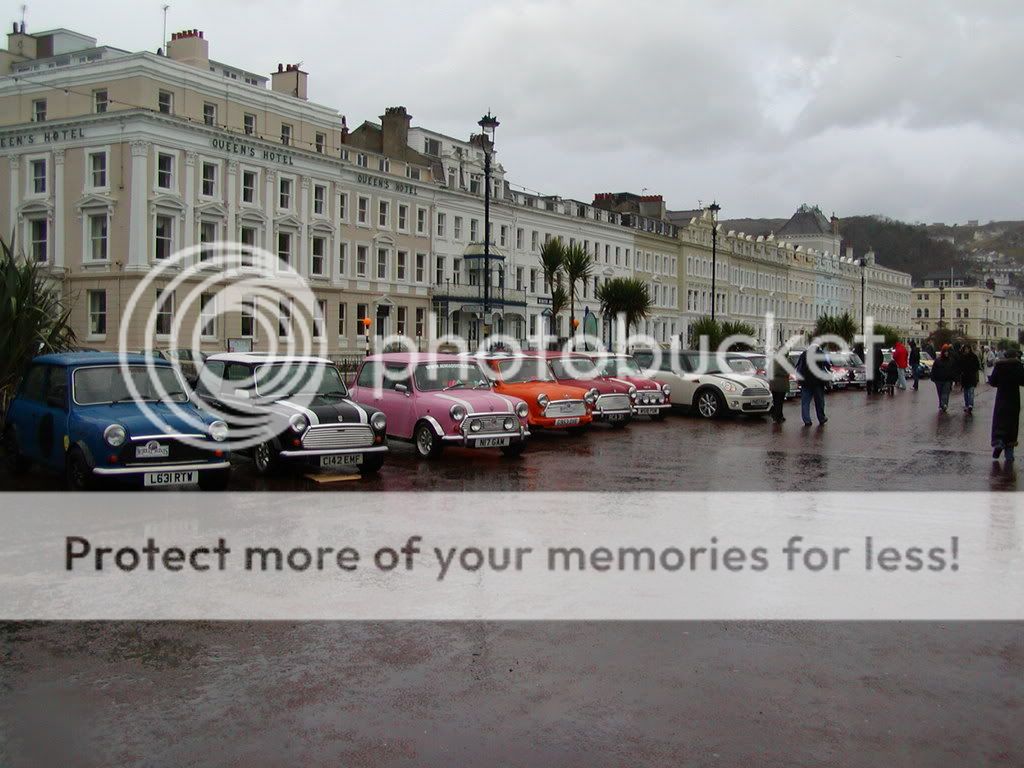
(552, 255)
(843, 326)
(576, 265)
(559, 301)
(33, 318)
(627, 296)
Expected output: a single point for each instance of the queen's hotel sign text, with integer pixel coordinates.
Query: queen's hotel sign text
(38, 138)
(245, 149)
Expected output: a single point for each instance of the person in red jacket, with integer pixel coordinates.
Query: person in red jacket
(901, 359)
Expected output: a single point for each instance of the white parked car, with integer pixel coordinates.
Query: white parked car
(704, 387)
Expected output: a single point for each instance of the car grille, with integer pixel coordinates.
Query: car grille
(495, 423)
(752, 407)
(756, 392)
(649, 397)
(178, 452)
(613, 403)
(337, 436)
(565, 408)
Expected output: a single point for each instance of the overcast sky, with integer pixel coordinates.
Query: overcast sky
(910, 109)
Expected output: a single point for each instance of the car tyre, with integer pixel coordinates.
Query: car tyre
(515, 449)
(265, 459)
(371, 465)
(428, 444)
(709, 404)
(78, 473)
(16, 463)
(214, 480)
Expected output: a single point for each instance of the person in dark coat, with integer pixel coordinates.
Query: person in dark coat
(779, 385)
(915, 363)
(943, 374)
(1007, 377)
(815, 370)
(969, 369)
(875, 370)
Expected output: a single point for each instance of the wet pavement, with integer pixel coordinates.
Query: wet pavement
(579, 693)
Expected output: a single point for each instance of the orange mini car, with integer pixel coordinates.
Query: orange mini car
(552, 405)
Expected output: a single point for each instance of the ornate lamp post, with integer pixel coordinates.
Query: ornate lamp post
(714, 208)
(489, 126)
(863, 271)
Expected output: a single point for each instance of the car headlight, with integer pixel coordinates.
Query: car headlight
(509, 424)
(727, 387)
(666, 389)
(219, 431)
(457, 412)
(522, 410)
(591, 397)
(115, 435)
(542, 400)
(475, 426)
(632, 391)
(298, 422)
(378, 421)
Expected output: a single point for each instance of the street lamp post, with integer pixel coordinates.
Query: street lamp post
(714, 208)
(942, 306)
(863, 319)
(488, 125)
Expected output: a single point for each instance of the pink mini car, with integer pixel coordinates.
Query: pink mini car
(650, 398)
(438, 400)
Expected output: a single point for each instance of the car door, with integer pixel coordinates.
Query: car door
(396, 400)
(29, 410)
(682, 380)
(238, 393)
(53, 426)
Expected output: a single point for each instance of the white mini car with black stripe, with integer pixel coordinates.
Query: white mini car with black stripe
(296, 408)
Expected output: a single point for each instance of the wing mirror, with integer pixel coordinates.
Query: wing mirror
(402, 388)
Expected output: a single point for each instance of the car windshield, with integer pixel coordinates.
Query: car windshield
(574, 368)
(109, 384)
(742, 365)
(434, 377)
(702, 364)
(847, 360)
(619, 366)
(289, 379)
(524, 369)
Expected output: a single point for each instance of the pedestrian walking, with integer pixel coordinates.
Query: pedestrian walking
(914, 359)
(815, 371)
(900, 357)
(779, 386)
(1007, 377)
(968, 369)
(990, 357)
(943, 374)
(877, 372)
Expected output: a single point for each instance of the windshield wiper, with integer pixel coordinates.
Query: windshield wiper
(453, 385)
(333, 393)
(482, 385)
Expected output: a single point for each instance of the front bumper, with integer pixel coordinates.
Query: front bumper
(749, 404)
(471, 440)
(138, 470)
(651, 409)
(298, 455)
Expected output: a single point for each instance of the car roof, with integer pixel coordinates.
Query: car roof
(253, 358)
(417, 357)
(98, 358)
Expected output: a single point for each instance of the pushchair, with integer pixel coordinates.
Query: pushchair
(889, 382)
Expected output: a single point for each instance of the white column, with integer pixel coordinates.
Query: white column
(189, 235)
(231, 232)
(139, 210)
(15, 191)
(58, 210)
(303, 249)
(269, 207)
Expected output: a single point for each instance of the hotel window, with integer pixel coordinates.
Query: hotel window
(383, 165)
(403, 217)
(440, 224)
(534, 238)
(344, 155)
(361, 160)
(503, 236)
(412, 172)
(249, 123)
(439, 270)
(457, 228)
(284, 247)
(474, 183)
(319, 199)
(207, 235)
(421, 221)
(403, 259)
(100, 102)
(519, 278)
(341, 319)
(362, 257)
(39, 111)
(248, 245)
(98, 237)
(363, 211)
(209, 113)
(451, 178)
(400, 326)
(284, 318)
(456, 271)
(248, 313)
(382, 263)
(342, 258)
(164, 312)
(164, 237)
(165, 102)
(421, 321)
(320, 142)
(319, 313)
(432, 147)
(362, 310)
(519, 238)
(38, 177)
(318, 248)
(98, 170)
(207, 315)
(209, 179)
(286, 134)
(284, 197)
(533, 281)
(97, 313)
(421, 267)
(383, 213)
(37, 236)
(248, 186)
(164, 170)
(474, 230)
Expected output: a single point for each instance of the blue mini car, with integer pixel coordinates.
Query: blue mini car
(74, 413)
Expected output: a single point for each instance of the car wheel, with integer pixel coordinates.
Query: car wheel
(264, 457)
(709, 404)
(16, 463)
(428, 445)
(78, 473)
(371, 465)
(214, 480)
(515, 449)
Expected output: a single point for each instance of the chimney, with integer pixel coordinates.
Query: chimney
(344, 130)
(835, 224)
(652, 206)
(190, 47)
(394, 125)
(289, 79)
(20, 43)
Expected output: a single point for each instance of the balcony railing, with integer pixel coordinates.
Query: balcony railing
(461, 291)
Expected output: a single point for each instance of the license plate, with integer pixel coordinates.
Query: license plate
(617, 417)
(647, 411)
(760, 403)
(492, 442)
(567, 421)
(184, 477)
(343, 460)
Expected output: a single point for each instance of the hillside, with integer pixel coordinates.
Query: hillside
(906, 247)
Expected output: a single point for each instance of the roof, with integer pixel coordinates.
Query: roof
(418, 357)
(682, 218)
(97, 358)
(807, 220)
(265, 357)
